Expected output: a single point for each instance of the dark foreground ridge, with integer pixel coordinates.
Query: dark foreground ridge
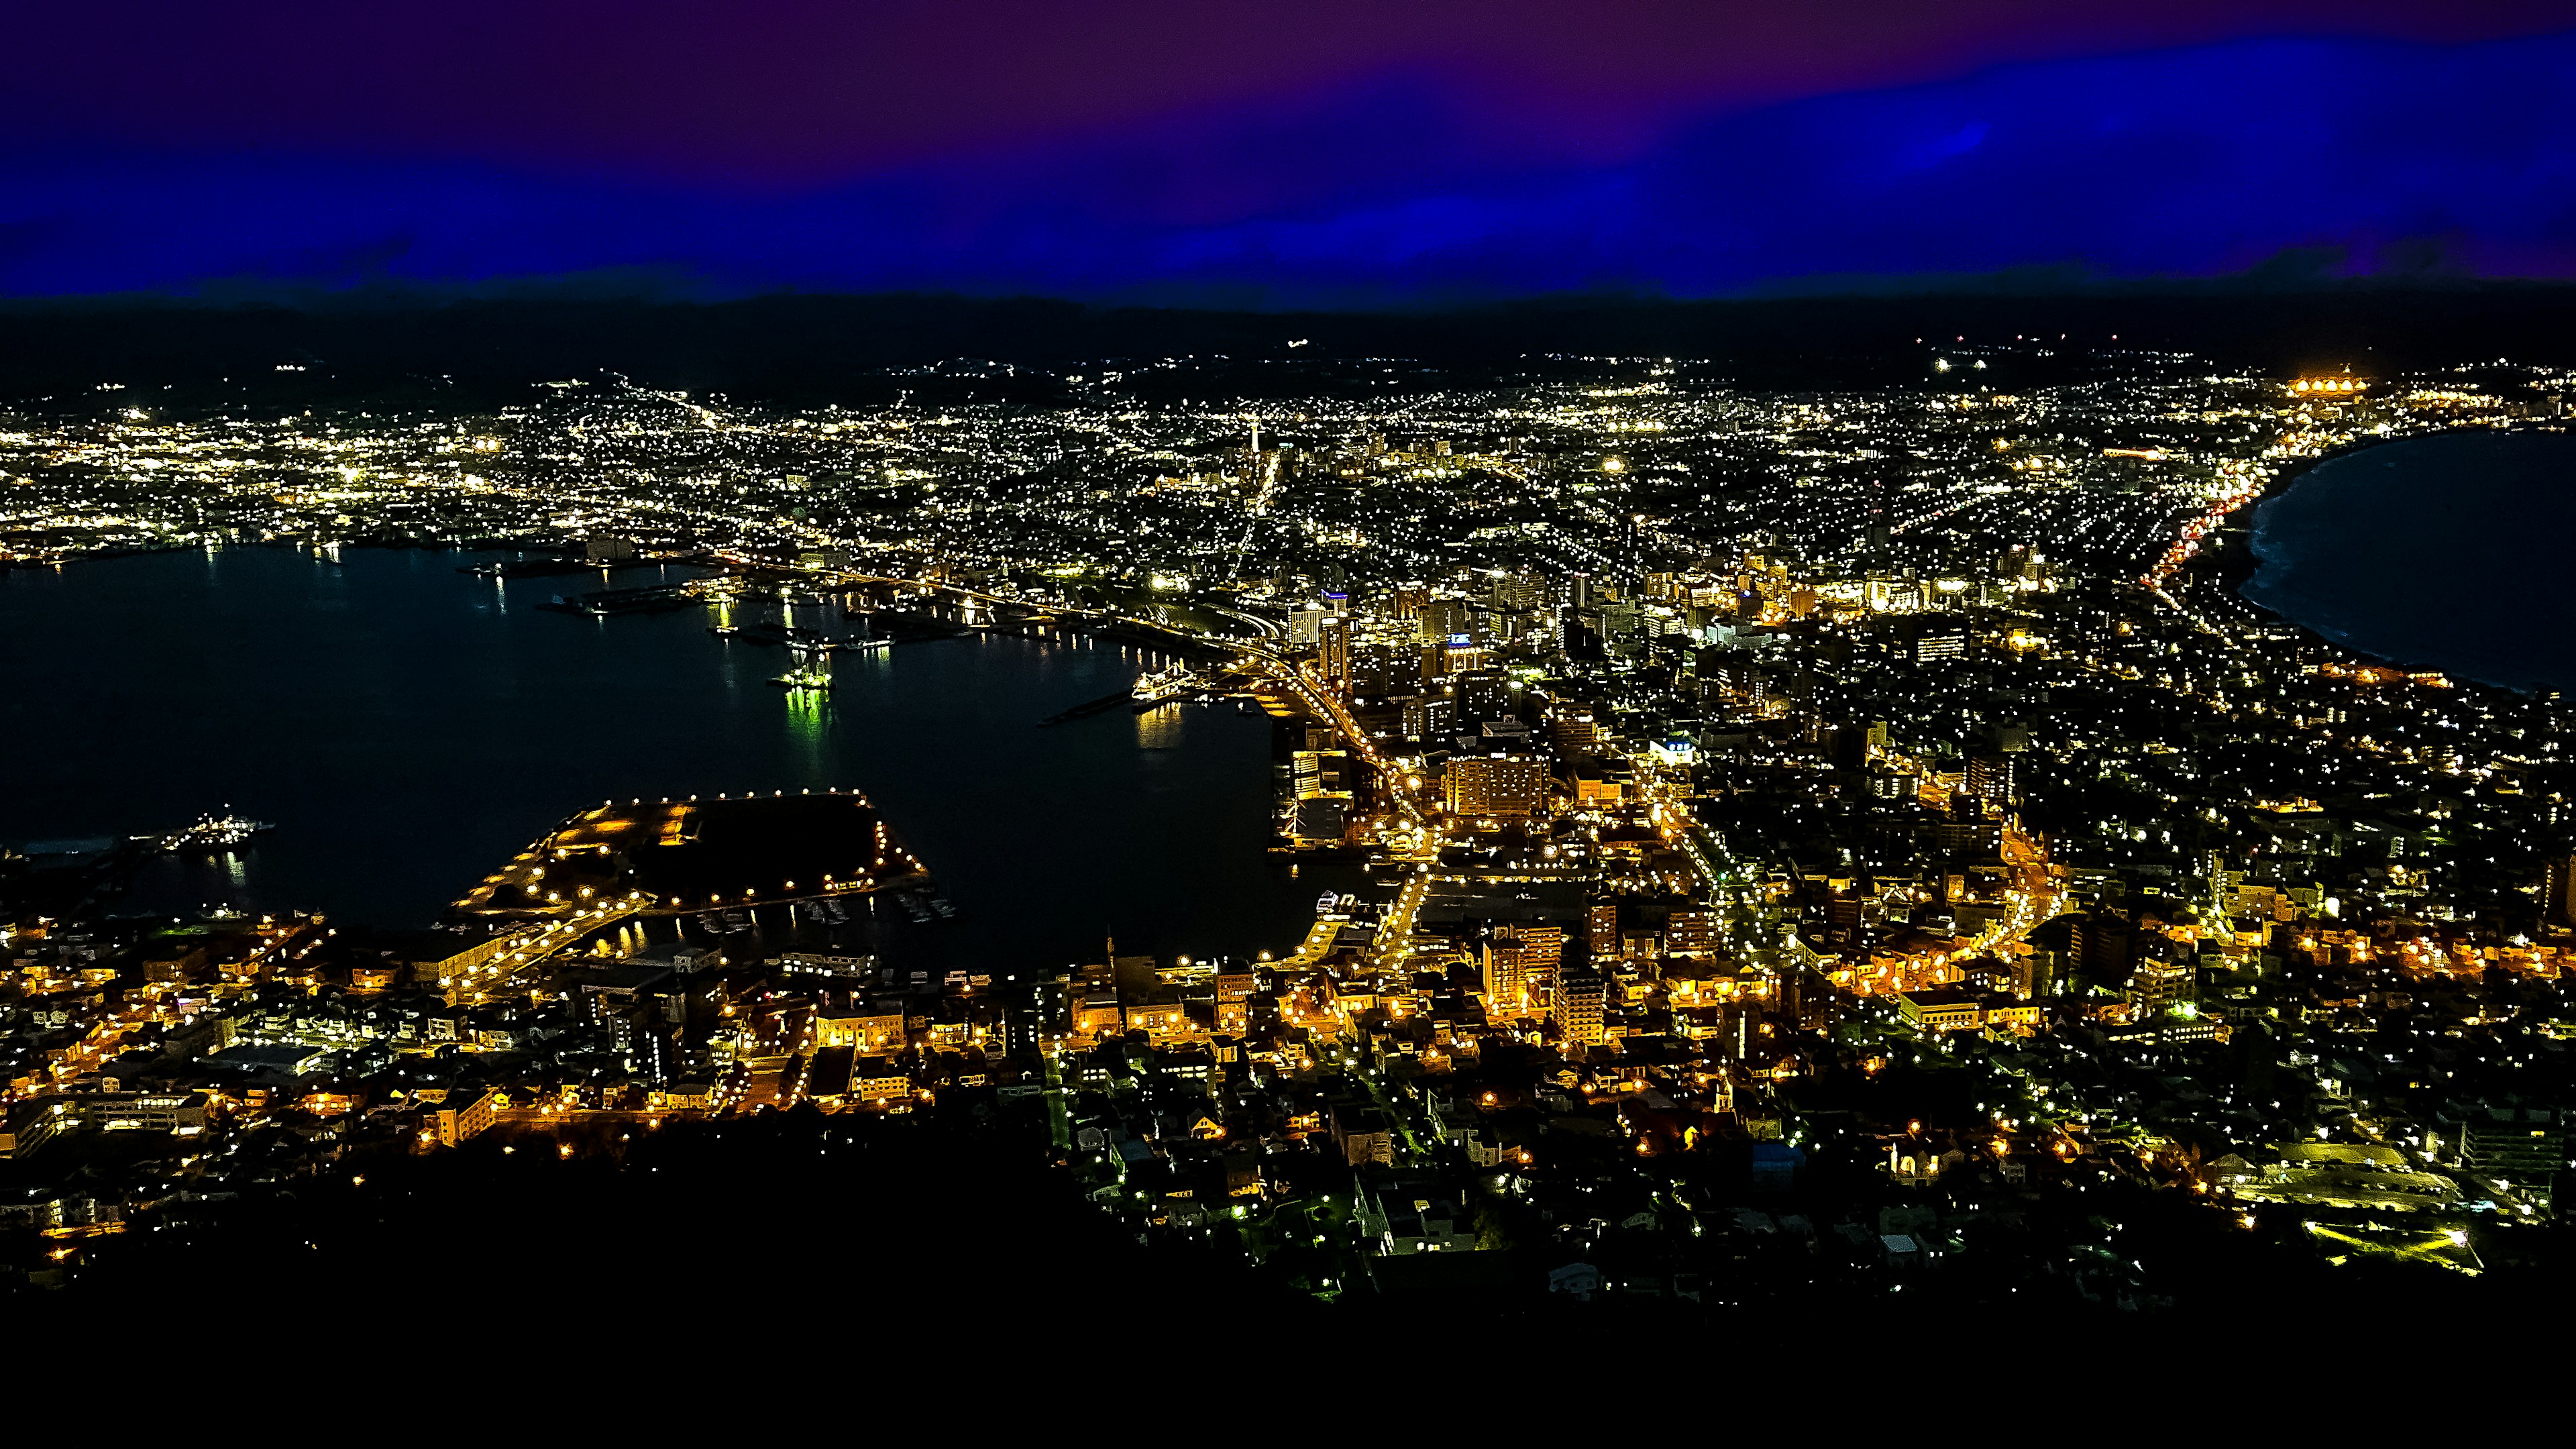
(953, 1228)
(840, 348)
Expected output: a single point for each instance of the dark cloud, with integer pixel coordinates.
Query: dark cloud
(2386, 157)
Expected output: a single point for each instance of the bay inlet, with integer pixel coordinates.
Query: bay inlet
(2447, 552)
(408, 727)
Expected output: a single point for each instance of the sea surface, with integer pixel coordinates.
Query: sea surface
(2447, 552)
(408, 726)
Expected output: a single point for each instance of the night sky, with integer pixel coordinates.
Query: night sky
(1328, 152)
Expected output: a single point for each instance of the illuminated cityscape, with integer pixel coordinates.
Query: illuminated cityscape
(1791, 844)
(1709, 710)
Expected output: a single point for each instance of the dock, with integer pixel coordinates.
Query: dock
(1088, 708)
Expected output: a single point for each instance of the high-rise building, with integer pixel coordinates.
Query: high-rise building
(1573, 733)
(1501, 963)
(1990, 778)
(1483, 695)
(1322, 817)
(2034, 973)
(1691, 933)
(2558, 892)
(1518, 592)
(1441, 618)
(1894, 784)
(1380, 671)
(1494, 785)
(1601, 929)
(1333, 646)
(1545, 943)
(1580, 994)
(1430, 717)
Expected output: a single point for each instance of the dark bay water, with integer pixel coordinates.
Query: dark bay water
(408, 726)
(2446, 552)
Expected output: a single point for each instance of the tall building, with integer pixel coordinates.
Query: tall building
(1601, 929)
(1965, 831)
(1503, 976)
(1520, 973)
(1691, 933)
(1381, 671)
(1518, 592)
(1990, 777)
(1430, 717)
(1333, 645)
(1483, 695)
(1322, 817)
(1545, 943)
(1574, 734)
(1580, 994)
(2558, 893)
(1521, 963)
(1494, 785)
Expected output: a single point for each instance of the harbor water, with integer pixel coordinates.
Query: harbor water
(408, 726)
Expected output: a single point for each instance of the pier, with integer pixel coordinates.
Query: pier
(1088, 708)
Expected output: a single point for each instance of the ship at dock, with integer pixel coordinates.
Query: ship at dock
(813, 669)
(1164, 686)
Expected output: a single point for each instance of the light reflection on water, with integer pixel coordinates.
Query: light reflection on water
(406, 736)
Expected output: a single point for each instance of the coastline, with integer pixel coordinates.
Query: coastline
(2233, 567)
(1162, 638)
(398, 768)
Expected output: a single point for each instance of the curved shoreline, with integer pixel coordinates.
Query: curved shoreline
(2238, 567)
(446, 734)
